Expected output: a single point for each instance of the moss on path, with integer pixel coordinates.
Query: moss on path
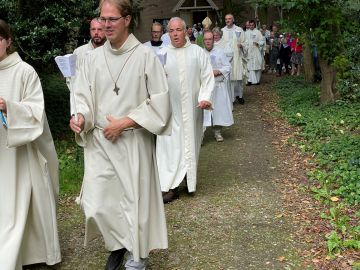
(235, 219)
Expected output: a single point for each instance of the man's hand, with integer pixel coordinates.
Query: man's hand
(77, 125)
(217, 72)
(3, 105)
(116, 126)
(205, 105)
(239, 45)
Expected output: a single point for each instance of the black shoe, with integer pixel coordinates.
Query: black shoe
(240, 100)
(115, 259)
(256, 83)
(171, 195)
(249, 84)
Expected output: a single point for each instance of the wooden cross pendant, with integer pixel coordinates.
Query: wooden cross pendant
(116, 89)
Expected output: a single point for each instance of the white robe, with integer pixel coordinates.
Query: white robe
(81, 53)
(29, 172)
(190, 80)
(254, 56)
(221, 115)
(121, 194)
(154, 48)
(237, 64)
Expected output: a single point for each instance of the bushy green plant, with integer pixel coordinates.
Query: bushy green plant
(331, 134)
(57, 104)
(71, 167)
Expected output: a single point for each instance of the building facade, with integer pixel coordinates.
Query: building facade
(192, 11)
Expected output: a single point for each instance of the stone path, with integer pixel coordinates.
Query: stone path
(233, 222)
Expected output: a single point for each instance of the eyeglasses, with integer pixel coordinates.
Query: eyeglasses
(111, 20)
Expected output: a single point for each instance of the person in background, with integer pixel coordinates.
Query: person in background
(28, 165)
(206, 23)
(97, 39)
(156, 32)
(191, 85)
(190, 35)
(254, 41)
(234, 36)
(274, 45)
(297, 57)
(284, 55)
(122, 100)
(221, 115)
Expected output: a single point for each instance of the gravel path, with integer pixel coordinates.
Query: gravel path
(233, 222)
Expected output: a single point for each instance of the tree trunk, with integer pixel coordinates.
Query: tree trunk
(328, 91)
(309, 69)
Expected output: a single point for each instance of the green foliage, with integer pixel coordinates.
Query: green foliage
(57, 104)
(71, 166)
(343, 235)
(44, 28)
(331, 134)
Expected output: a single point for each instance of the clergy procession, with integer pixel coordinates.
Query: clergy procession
(174, 86)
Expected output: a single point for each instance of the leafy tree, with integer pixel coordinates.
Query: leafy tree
(327, 21)
(45, 28)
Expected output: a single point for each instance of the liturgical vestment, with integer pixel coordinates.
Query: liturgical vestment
(190, 78)
(121, 194)
(28, 172)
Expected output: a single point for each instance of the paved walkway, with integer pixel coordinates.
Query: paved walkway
(233, 222)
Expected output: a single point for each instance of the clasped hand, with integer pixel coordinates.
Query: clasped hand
(3, 105)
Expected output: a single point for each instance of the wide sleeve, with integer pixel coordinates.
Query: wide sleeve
(154, 113)
(25, 118)
(225, 68)
(206, 78)
(82, 97)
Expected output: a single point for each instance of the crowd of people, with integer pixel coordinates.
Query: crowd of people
(174, 86)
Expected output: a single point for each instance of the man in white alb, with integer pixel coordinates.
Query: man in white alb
(122, 99)
(221, 115)
(191, 84)
(156, 32)
(253, 43)
(234, 36)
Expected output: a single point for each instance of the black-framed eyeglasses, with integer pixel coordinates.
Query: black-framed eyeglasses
(111, 20)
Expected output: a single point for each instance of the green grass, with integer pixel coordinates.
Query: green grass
(331, 135)
(71, 164)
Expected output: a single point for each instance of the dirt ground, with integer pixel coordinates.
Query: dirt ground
(236, 218)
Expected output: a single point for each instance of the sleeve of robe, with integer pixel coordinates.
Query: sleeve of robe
(225, 65)
(154, 113)
(206, 78)
(83, 100)
(25, 118)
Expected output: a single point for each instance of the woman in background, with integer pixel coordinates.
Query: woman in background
(28, 166)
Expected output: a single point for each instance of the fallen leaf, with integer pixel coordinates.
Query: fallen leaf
(281, 259)
(334, 199)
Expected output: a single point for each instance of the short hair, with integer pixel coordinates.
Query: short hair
(157, 24)
(252, 21)
(5, 32)
(217, 30)
(124, 6)
(229, 14)
(183, 24)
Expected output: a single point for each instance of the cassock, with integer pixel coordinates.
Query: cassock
(155, 45)
(190, 80)
(121, 194)
(234, 36)
(29, 172)
(254, 57)
(221, 115)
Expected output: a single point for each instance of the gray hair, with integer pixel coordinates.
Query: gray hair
(157, 24)
(217, 30)
(183, 24)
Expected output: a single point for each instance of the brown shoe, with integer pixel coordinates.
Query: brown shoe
(171, 195)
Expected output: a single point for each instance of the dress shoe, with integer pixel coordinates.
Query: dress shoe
(115, 259)
(240, 100)
(171, 195)
(249, 84)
